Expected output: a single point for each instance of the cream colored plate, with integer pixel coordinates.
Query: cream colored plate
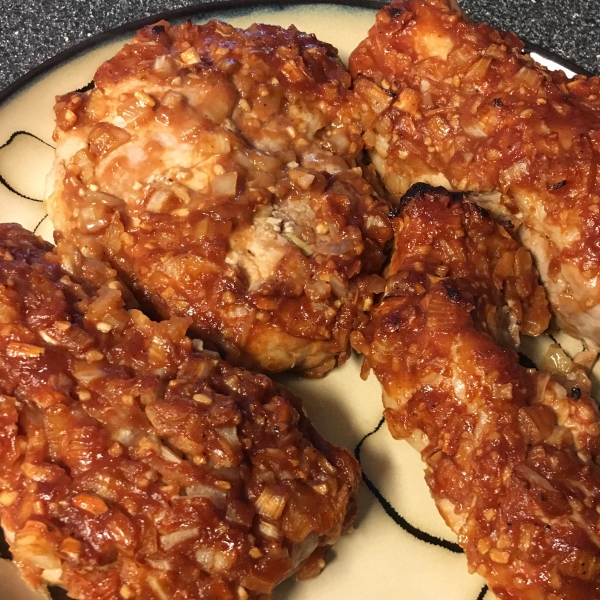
(390, 554)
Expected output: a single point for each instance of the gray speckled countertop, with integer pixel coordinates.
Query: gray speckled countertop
(31, 32)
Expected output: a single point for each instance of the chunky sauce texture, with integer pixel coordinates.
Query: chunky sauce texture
(457, 104)
(215, 168)
(137, 465)
(511, 455)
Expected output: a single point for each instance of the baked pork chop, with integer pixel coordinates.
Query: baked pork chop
(512, 457)
(135, 465)
(215, 169)
(458, 104)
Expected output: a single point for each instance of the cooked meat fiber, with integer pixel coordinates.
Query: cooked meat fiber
(134, 466)
(511, 456)
(215, 169)
(457, 104)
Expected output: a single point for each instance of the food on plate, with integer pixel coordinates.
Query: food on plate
(457, 104)
(511, 456)
(215, 169)
(476, 252)
(137, 465)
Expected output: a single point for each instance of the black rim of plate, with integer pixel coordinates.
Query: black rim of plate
(210, 7)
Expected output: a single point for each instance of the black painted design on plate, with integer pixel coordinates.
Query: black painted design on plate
(9, 141)
(38, 225)
(25, 133)
(12, 189)
(394, 514)
(190, 12)
(399, 519)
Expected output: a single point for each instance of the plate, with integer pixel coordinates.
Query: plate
(400, 546)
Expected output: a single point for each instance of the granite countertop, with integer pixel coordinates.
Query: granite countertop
(36, 30)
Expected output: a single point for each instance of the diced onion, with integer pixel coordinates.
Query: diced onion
(270, 504)
(225, 184)
(408, 101)
(158, 201)
(532, 79)
(269, 530)
(479, 68)
(161, 565)
(377, 98)
(230, 435)
(170, 540)
(338, 286)
(514, 173)
(52, 575)
(212, 560)
(475, 131)
(215, 495)
(169, 456)
(85, 372)
(157, 588)
(534, 477)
